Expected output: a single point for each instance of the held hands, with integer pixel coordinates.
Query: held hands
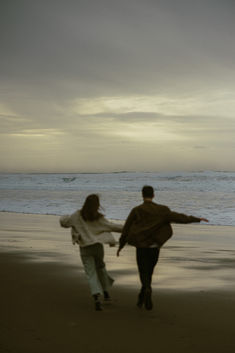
(203, 220)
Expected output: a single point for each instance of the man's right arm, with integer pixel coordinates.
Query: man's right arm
(125, 231)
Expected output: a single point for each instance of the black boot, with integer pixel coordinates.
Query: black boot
(140, 300)
(148, 299)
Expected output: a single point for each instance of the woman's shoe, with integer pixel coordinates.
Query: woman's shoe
(98, 306)
(107, 297)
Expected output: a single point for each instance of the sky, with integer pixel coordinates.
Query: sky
(103, 85)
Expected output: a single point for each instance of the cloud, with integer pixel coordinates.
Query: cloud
(117, 84)
(94, 48)
(206, 103)
(130, 118)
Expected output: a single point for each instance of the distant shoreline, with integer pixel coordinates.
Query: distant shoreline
(125, 172)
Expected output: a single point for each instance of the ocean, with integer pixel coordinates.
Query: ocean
(209, 194)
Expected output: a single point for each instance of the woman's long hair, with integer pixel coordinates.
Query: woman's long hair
(90, 209)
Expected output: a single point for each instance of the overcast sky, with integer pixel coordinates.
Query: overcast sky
(103, 85)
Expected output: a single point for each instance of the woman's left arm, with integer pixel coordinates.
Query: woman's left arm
(113, 227)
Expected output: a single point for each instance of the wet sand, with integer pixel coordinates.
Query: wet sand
(46, 305)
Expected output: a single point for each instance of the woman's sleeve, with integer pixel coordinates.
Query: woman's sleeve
(65, 221)
(113, 227)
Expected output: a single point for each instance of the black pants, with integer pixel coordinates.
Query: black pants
(146, 260)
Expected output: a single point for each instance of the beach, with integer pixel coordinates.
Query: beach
(46, 305)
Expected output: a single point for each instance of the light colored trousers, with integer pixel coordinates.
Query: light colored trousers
(92, 257)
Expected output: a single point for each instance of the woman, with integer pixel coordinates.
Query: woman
(90, 229)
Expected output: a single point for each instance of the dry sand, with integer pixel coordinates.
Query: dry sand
(46, 305)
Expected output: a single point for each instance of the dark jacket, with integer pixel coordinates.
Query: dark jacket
(149, 224)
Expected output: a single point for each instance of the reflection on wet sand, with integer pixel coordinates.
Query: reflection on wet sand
(197, 257)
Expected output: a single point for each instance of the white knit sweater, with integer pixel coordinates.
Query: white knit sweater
(86, 233)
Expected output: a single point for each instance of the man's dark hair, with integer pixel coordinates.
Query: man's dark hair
(147, 191)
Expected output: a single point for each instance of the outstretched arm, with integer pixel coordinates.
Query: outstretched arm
(113, 227)
(175, 217)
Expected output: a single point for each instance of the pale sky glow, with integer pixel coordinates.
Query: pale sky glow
(48, 133)
(208, 104)
(117, 85)
(143, 133)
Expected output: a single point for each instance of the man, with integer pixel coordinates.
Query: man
(148, 227)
